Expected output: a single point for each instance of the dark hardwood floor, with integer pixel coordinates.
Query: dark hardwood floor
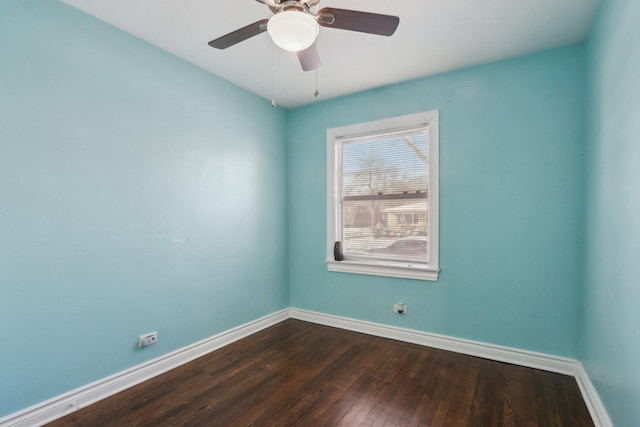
(300, 374)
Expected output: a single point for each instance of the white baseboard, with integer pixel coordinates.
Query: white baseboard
(67, 403)
(592, 400)
(64, 404)
(530, 359)
(514, 356)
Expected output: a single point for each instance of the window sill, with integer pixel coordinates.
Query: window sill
(386, 269)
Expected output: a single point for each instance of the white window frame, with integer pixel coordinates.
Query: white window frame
(419, 271)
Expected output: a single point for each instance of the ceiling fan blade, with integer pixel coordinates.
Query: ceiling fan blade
(271, 3)
(353, 20)
(309, 58)
(240, 35)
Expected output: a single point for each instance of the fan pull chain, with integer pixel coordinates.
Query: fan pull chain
(273, 78)
(317, 93)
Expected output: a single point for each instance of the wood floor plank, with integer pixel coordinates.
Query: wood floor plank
(301, 374)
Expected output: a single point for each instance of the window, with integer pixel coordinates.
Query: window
(382, 201)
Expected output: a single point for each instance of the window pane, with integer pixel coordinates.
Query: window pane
(384, 190)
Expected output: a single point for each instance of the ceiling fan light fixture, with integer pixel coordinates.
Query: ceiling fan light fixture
(293, 30)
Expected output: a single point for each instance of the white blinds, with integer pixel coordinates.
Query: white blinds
(383, 185)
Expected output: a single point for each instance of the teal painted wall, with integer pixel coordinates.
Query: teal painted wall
(512, 154)
(110, 150)
(612, 293)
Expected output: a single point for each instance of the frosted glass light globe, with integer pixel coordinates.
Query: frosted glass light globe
(293, 30)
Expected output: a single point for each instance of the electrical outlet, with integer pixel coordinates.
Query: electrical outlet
(400, 308)
(147, 339)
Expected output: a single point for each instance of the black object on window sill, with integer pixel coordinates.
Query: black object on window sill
(337, 251)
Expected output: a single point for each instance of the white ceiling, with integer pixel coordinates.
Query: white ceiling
(433, 36)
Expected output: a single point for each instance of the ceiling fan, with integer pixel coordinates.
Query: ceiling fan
(295, 24)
